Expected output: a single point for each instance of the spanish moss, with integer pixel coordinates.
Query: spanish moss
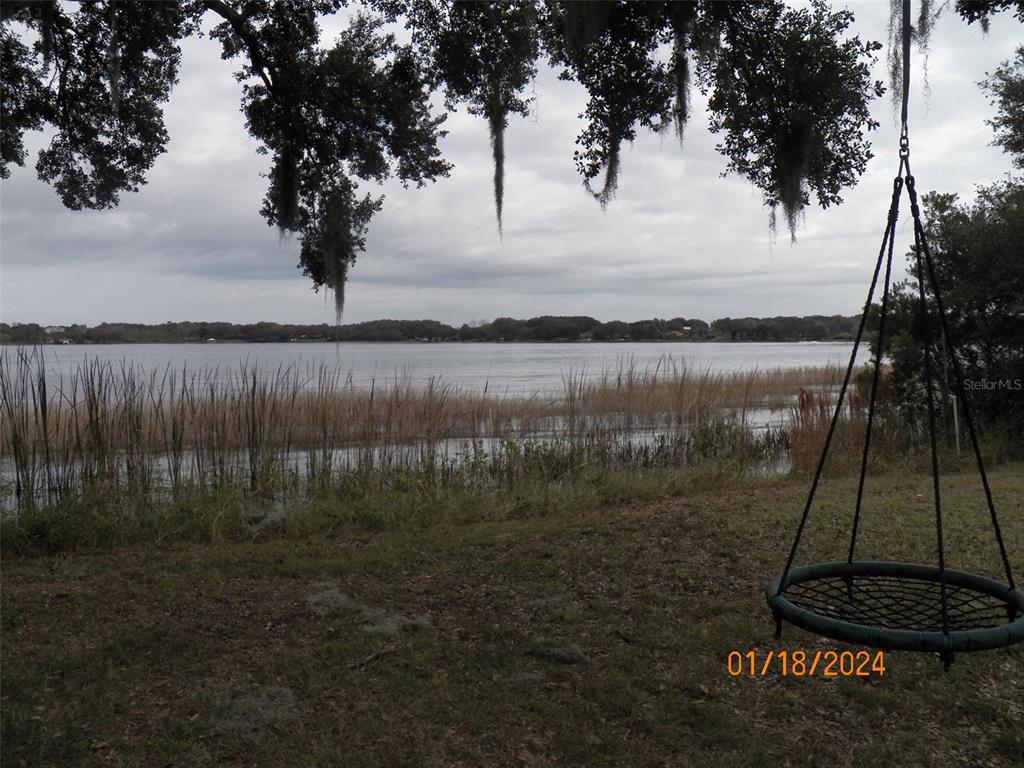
(792, 160)
(497, 121)
(485, 54)
(336, 247)
(681, 81)
(683, 16)
(895, 53)
(611, 173)
(923, 36)
(925, 22)
(920, 33)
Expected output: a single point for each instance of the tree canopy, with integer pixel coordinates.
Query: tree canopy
(788, 89)
(976, 249)
(1006, 88)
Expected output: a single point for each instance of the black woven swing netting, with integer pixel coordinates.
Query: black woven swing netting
(899, 603)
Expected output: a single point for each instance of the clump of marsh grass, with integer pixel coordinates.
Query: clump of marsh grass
(811, 417)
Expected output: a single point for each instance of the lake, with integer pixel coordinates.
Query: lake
(501, 368)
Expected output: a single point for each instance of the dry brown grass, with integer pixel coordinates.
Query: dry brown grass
(117, 425)
(671, 388)
(811, 417)
(105, 407)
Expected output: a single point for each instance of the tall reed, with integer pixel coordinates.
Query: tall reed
(302, 430)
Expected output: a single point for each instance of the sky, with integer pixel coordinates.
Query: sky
(678, 240)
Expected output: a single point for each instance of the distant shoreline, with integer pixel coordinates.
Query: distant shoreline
(543, 329)
(6, 343)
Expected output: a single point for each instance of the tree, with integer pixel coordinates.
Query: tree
(329, 118)
(1006, 88)
(982, 10)
(337, 119)
(976, 250)
(805, 113)
(482, 54)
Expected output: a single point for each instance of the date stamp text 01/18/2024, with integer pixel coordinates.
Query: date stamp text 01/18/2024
(806, 663)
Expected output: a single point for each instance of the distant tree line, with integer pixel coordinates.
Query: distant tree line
(810, 328)
(544, 328)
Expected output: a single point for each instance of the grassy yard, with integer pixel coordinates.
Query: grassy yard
(424, 644)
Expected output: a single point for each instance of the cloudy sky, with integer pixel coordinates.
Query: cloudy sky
(678, 240)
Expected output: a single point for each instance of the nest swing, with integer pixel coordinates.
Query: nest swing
(893, 605)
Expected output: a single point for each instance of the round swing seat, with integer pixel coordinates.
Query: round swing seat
(898, 606)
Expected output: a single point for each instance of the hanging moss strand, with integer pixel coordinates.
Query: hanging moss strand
(497, 121)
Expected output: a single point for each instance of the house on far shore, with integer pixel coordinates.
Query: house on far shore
(211, 341)
(52, 329)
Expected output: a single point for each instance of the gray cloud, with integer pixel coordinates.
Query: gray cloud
(678, 240)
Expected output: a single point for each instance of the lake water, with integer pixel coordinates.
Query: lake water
(510, 368)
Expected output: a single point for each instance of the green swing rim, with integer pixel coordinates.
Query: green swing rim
(955, 641)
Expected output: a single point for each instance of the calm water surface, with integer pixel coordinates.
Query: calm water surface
(512, 368)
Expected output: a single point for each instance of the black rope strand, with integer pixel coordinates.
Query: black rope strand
(889, 234)
(930, 392)
(894, 212)
(958, 375)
